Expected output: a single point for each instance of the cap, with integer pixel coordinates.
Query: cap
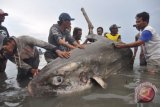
(65, 16)
(114, 26)
(3, 13)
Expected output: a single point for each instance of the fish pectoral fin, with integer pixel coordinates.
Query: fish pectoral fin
(100, 81)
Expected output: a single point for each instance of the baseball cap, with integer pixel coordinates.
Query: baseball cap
(114, 26)
(3, 13)
(65, 16)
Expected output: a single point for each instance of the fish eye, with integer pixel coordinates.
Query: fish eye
(57, 80)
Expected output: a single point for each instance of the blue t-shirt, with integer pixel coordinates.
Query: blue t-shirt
(146, 36)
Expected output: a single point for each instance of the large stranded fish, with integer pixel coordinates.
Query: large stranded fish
(94, 63)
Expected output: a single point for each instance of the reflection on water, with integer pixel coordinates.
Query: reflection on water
(119, 93)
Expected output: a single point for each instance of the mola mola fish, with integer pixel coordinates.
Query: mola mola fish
(95, 64)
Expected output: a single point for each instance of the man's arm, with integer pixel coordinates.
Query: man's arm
(36, 42)
(62, 42)
(71, 40)
(130, 45)
(145, 37)
(78, 45)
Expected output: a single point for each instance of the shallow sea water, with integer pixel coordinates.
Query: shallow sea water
(120, 91)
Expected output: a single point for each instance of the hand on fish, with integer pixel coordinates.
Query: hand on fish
(63, 54)
(119, 45)
(35, 72)
(81, 46)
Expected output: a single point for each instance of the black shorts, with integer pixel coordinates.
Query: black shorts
(24, 74)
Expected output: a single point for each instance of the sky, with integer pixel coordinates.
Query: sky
(35, 17)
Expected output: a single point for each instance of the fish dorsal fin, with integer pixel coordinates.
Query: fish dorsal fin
(100, 81)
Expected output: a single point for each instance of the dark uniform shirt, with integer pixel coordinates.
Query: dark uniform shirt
(3, 34)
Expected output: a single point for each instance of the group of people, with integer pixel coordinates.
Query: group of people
(113, 35)
(23, 52)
